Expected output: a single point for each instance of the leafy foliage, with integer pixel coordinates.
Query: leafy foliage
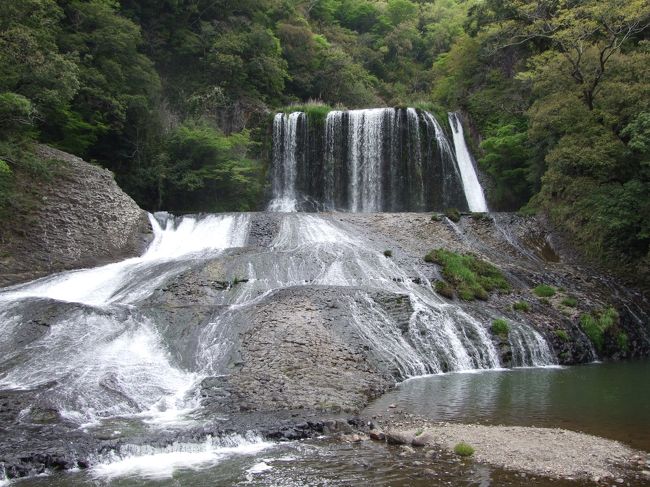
(501, 328)
(521, 306)
(463, 449)
(211, 167)
(470, 276)
(544, 291)
(595, 325)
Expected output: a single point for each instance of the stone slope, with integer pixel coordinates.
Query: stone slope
(82, 219)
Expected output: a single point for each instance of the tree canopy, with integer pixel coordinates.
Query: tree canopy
(174, 96)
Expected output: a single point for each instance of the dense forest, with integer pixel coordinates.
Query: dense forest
(175, 96)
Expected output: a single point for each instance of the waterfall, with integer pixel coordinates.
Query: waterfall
(471, 186)
(434, 337)
(288, 137)
(374, 160)
(529, 347)
(98, 355)
(145, 343)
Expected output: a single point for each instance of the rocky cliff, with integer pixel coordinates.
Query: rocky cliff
(79, 218)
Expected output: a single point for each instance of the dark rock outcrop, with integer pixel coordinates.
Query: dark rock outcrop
(81, 219)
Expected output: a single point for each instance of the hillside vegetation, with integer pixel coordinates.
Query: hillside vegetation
(175, 96)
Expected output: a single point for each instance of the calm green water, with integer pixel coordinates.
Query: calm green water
(609, 400)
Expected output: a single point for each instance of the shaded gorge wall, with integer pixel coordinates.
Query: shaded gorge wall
(375, 160)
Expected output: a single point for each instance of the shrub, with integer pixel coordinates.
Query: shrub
(544, 291)
(453, 214)
(623, 341)
(596, 324)
(470, 276)
(463, 449)
(500, 327)
(436, 217)
(570, 301)
(480, 216)
(444, 289)
(562, 335)
(521, 306)
(316, 112)
(388, 253)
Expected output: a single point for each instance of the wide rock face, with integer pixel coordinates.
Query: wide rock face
(82, 219)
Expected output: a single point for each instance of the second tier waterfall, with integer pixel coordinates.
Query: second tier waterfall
(375, 160)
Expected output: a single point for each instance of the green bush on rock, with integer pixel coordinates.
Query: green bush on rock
(453, 214)
(544, 291)
(444, 289)
(596, 324)
(501, 328)
(471, 277)
(521, 306)
(463, 449)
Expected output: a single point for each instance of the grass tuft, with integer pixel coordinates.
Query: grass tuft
(500, 327)
(570, 302)
(521, 306)
(444, 289)
(471, 277)
(544, 291)
(463, 449)
(562, 335)
(453, 214)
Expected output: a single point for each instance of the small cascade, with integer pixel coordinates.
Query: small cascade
(472, 187)
(374, 160)
(156, 462)
(529, 349)
(432, 337)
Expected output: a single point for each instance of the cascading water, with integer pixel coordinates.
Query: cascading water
(99, 346)
(288, 138)
(372, 160)
(99, 356)
(471, 186)
(315, 250)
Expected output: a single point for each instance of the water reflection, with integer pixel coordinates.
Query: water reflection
(610, 400)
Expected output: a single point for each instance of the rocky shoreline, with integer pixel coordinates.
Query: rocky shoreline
(554, 453)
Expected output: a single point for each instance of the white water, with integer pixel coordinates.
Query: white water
(471, 185)
(102, 357)
(315, 250)
(188, 239)
(529, 347)
(372, 160)
(285, 161)
(365, 147)
(156, 463)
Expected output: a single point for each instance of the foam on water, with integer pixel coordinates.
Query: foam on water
(154, 463)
